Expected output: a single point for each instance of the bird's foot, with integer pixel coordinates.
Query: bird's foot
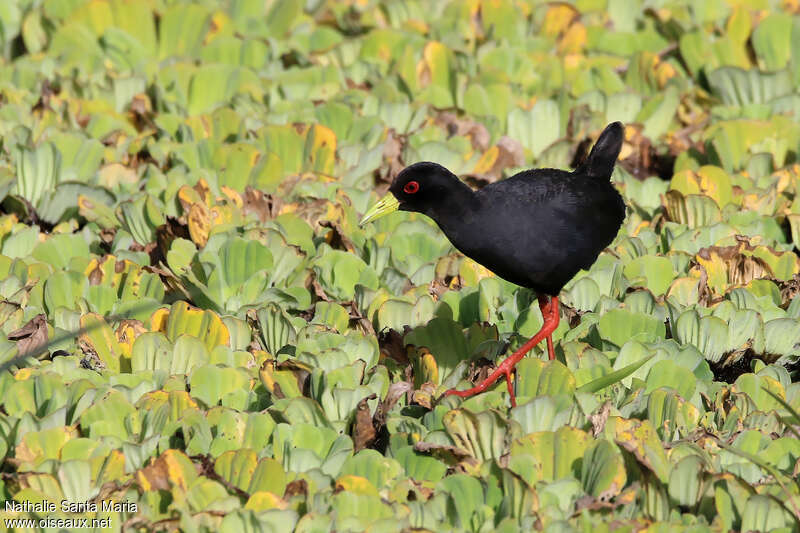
(505, 368)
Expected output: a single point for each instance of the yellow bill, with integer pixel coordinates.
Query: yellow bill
(386, 205)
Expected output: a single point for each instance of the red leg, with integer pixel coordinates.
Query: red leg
(544, 305)
(550, 313)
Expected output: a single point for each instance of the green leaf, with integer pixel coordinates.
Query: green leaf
(603, 472)
(619, 325)
(613, 377)
(37, 171)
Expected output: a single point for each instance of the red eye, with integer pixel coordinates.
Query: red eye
(411, 187)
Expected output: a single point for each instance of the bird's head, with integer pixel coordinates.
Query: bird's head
(419, 187)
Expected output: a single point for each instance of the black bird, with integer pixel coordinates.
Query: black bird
(536, 229)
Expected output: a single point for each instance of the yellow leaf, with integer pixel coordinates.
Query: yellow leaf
(557, 19)
(201, 126)
(322, 149)
(7, 223)
(115, 174)
(487, 160)
(717, 272)
(153, 399)
(426, 370)
(263, 500)
(179, 467)
(664, 72)
(199, 220)
(203, 324)
(684, 289)
(716, 183)
(416, 25)
(179, 402)
(573, 40)
(232, 195)
(95, 14)
(266, 373)
(471, 272)
(436, 68)
(44, 444)
(108, 468)
(98, 336)
(158, 320)
(221, 214)
(23, 374)
(220, 22)
(356, 484)
(640, 438)
(126, 333)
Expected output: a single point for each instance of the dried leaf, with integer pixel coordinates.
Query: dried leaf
(392, 346)
(464, 127)
(507, 153)
(363, 429)
(32, 337)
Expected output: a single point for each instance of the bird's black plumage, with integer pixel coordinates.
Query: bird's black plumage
(537, 228)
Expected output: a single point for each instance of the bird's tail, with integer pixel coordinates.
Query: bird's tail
(600, 163)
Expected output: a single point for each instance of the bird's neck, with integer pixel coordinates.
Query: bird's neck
(455, 209)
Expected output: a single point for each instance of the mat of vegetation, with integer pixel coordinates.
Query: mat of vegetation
(197, 335)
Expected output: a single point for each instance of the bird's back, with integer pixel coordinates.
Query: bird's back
(551, 225)
(539, 227)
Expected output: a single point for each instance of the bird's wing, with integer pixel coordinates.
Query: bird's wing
(550, 226)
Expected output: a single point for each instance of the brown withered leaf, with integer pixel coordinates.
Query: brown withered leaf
(47, 91)
(203, 189)
(95, 277)
(336, 238)
(107, 235)
(789, 289)
(312, 211)
(464, 127)
(170, 230)
(507, 153)
(154, 476)
(436, 288)
(391, 345)
(299, 371)
(32, 337)
(741, 268)
(392, 156)
(204, 465)
(264, 206)
(361, 320)
(424, 395)
(140, 112)
(396, 390)
(298, 487)
(704, 295)
(639, 156)
(351, 84)
(319, 292)
(479, 369)
(451, 455)
(140, 104)
(363, 429)
(419, 490)
(128, 330)
(599, 418)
